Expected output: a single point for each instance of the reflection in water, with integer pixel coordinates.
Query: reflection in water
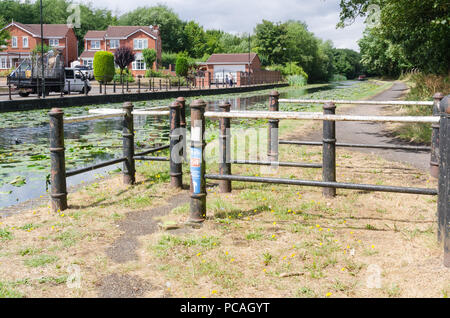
(150, 131)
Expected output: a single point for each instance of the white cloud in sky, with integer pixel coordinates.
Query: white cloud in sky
(239, 16)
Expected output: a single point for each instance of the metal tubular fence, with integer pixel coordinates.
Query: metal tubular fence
(129, 157)
(328, 183)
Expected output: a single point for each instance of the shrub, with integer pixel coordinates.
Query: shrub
(104, 66)
(149, 57)
(290, 68)
(338, 78)
(152, 73)
(5, 73)
(175, 80)
(126, 75)
(168, 58)
(297, 80)
(182, 65)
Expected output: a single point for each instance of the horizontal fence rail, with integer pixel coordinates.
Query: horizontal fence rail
(281, 164)
(95, 167)
(350, 145)
(324, 117)
(357, 102)
(337, 185)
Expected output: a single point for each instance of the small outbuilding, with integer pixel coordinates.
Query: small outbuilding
(243, 68)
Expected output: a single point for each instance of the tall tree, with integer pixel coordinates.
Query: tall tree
(170, 25)
(4, 35)
(195, 39)
(347, 62)
(270, 41)
(419, 27)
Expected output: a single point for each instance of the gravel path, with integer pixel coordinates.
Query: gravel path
(124, 249)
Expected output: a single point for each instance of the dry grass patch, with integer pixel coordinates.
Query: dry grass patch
(38, 246)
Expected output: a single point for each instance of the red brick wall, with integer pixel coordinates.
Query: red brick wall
(15, 31)
(70, 52)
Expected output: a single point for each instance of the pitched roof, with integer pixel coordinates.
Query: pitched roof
(125, 31)
(87, 54)
(239, 58)
(50, 30)
(95, 34)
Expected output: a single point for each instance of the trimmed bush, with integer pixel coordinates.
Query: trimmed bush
(104, 66)
(182, 65)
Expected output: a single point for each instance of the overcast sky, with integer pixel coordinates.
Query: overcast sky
(238, 16)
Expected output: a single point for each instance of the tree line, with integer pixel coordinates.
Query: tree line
(402, 35)
(288, 46)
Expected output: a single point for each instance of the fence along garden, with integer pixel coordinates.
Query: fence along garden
(439, 158)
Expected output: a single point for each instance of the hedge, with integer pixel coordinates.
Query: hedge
(104, 66)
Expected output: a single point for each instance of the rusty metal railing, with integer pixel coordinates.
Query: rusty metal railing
(58, 169)
(328, 182)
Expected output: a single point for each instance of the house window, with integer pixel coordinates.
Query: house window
(3, 63)
(138, 65)
(95, 45)
(53, 42)
(88, 62)
(25, 41)
(140, 44)
(114, 44)
(14, 41)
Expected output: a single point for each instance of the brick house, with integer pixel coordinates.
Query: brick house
(135, 37)
(25, 37)
(245, 68)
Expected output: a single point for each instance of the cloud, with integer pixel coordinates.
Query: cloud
(239, 16)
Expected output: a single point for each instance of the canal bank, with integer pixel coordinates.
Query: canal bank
(81, 100)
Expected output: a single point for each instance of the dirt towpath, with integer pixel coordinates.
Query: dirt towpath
(374, 133)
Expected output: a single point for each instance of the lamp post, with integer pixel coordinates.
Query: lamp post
(42, 53)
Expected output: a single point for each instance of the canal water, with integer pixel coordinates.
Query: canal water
(24, 154)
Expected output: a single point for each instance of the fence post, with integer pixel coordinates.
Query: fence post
(434, 160)
(160, 87)
(100, 87)
(272, 137)
(58, 165)
(149, 85)
(329, 150)
(198, 183)
(444, 179)
(139, 85)
(224, 149)
(129, 170)
(176, 174)
(38, 88)
(105, 89)
(9, 92)
(127, 85)
(122, 85)
(182, 103)
(114, 86)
